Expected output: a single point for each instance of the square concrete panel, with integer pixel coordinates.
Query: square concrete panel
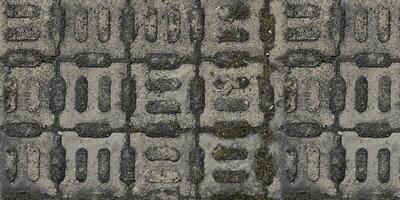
(93, 26)
(26, 93)
(371, 166)
(93, 165)
(304, 164)
(169, 26)
(372, 27)
(371, 97)
(29, 25)
(232, 26)
(162, 96)
(231, 94)
(26, 164)
(302, 96)
(306, 32)
(162, 168)
(93, 95)
(229, 173)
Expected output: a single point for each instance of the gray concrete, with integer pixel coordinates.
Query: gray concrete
(199, 99)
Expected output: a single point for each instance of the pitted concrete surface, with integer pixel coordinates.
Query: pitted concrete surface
(199, 99)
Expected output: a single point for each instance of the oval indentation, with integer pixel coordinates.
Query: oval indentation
(373, 60)
(151, 25)
(361, 25)
(128, 94)
(23, 58)
(104, 25)
(163, 61)
(104, 98)
(81, 94)
(33, 159)
(291, 164)
(373, 130)
(302, 34)
(383, 165)
(163, 176)
(93, 130)
(337, 164)
(361, 94)
(361, 165)
(91, 59)
(233, 34)
(197, 94)
(173, 25)
(313, 94)
(81, 164)
(313, 161)
(266, 95)
(162, 129)
(103, 171)
(57, 164)
(163, 84)
(290, 95)
(196, 16)
(81, 25)
(58, 89)
(302, 58)
(127, 169)
(267, 28)
(11, 164)
(22, 11)
(162, 154)
(163, 107)
(337, 95)
(232, 129)
(223, 153)
(10, 94)
(22, 34)
(231, 105)
(384, 100)
(232, 59)
(384, 25)
(34, 96)
(302, 11)
(23, 129)
(128, 30)
(230, 176)
(233, 10)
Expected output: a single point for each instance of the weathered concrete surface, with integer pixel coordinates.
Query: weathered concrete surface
(199, 99)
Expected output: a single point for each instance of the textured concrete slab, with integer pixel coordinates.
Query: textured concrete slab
(199, 99)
